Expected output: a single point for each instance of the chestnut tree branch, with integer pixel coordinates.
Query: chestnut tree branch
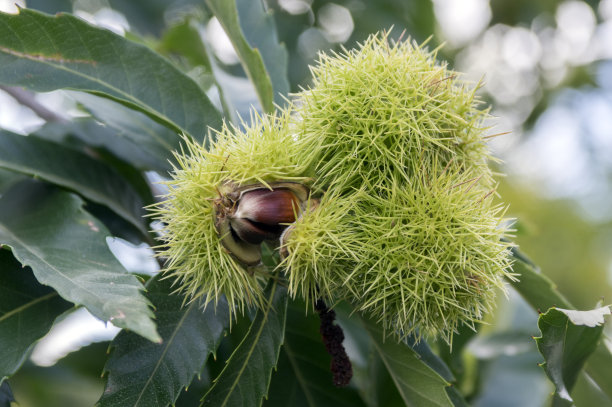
(27, 98)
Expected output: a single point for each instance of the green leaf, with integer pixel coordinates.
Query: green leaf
(27, 312)
(49, 231)
(568, 338)
(71, 169)
(253, 33)
(43, 53)
(90, 133)
(245, 379)
(136, 130)
(151, 16)
(452, 354)
(134, 133)
(142, 373)
(185, 40)
(587, 393)
(515, 380)
(598, 366)
(6, 395)
(188, 39)
(303, 377)
(428, 357)
(439, 366)
(537, 289)
(540, 292)
(381, 388)
(8, 178)
(259, 28)
(418, 384)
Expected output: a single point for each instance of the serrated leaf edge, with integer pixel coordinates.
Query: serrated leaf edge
(269, 307)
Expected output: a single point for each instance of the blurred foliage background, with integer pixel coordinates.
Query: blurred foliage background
(546, 71)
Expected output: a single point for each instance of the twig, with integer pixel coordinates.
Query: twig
(27, 99)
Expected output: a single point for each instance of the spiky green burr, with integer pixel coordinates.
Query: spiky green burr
(261, 154)
(398, 213)
(407, 229)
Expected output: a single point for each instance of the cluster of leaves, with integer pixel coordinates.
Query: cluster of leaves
(72, 183)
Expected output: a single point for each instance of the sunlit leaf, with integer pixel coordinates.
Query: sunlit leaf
(48, 230)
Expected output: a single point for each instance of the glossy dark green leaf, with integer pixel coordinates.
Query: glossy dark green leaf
(91, 133)
(253, 33)
(43, 53)
(27, 312)
(381, 389)
(418, 384)
(6, 395)
(71, 169)
(438, 365)
(303, 377)
(142, 373)
(49, 231)
(568, 338)
(245, 379)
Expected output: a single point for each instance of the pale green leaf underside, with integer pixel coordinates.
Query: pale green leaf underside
(48, 230)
